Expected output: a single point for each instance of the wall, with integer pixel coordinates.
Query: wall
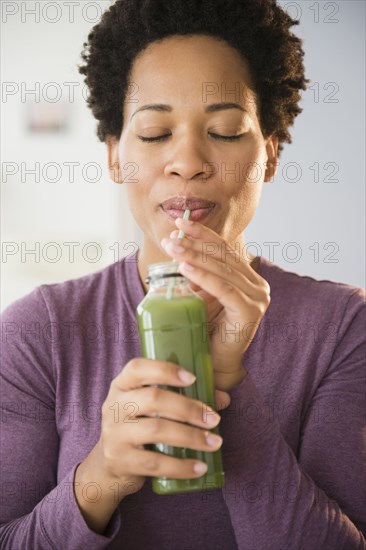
(317, 199)
(59, 202)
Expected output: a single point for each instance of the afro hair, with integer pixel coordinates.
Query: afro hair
(258, 29)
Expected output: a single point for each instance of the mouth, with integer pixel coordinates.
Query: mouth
(175, 207)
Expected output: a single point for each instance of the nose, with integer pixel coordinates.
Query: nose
(188, 159)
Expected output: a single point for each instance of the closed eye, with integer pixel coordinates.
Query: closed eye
(227, 138)
(215, 136)
(151, 139)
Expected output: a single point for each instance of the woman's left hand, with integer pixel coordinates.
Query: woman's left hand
(236, 296)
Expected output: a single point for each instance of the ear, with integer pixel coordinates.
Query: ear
(115, 172)
(272, 162)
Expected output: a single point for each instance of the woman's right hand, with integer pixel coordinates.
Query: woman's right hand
(136, 413)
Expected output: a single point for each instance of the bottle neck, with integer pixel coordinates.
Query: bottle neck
(166, 275)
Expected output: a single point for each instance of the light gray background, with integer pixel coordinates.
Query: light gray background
(308, 212)
(324, 218)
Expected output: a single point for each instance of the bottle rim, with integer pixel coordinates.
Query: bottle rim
(162, 270)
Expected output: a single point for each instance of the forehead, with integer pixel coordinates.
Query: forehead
(190, 70)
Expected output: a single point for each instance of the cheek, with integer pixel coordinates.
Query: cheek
(255, 164)
(245, 204)
(248, 195)
(243, 176)
(137, 206)
(146, 165)
(248, 160)
(249, 191)
(147, 162)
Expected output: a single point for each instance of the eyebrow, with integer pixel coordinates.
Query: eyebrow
(212, 108)
(215, 107)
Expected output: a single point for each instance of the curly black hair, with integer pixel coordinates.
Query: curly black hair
(258, 29)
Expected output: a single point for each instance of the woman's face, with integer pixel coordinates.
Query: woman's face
(199, 147)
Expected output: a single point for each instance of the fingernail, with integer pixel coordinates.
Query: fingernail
(181, 221)
(186, 267)
(200, 468)
(175, 247)
(213, 440)
(210, 417)
(163, 242)
(186, 376)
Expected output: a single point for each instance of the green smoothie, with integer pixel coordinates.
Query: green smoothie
(175, 330)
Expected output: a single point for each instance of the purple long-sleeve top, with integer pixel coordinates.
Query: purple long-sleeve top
(294, 447)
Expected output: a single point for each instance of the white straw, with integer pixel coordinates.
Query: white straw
(170, 291)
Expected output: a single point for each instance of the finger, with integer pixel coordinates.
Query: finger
(160, 430)
(237, 302)
(233, 378)
(139, 372)
(150, 463)
(190, 253)
(159, 402)
(193, 251)
(222, 399)
(215, 246)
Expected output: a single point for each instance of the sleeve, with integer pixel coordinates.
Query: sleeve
(317, 498)
(35, 510)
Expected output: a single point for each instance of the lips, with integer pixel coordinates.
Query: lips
(182, 203)
(200, 208)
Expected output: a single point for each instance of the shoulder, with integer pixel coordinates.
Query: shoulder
(313, 296)
(76, 298)
(330, 314)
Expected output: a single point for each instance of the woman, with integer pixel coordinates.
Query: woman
(194, 101)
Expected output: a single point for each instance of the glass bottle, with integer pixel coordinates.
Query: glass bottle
(172, 323)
